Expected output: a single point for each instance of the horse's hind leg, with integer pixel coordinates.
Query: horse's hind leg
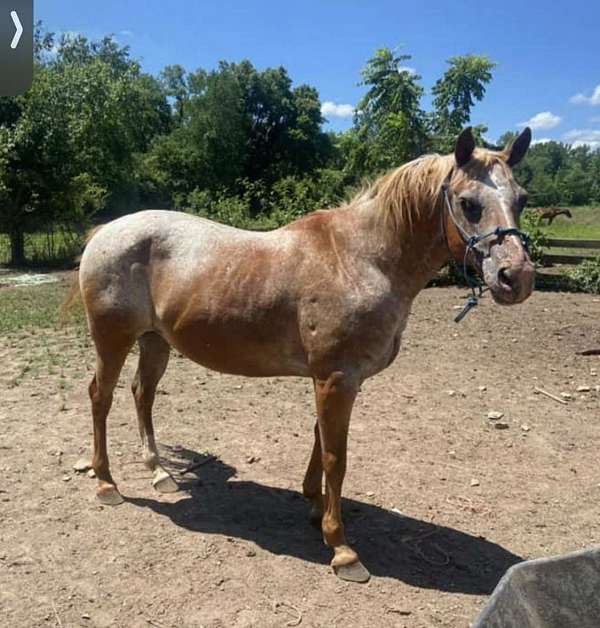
(154, 357)
(313, 481)
(110, 357)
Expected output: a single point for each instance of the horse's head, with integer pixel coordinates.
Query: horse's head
(483, 203)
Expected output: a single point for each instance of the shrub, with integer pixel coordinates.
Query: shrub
(531, 225)
(230, 210)
(587, 276)
(256, 206)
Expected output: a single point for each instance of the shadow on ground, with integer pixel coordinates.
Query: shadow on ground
(416, 552)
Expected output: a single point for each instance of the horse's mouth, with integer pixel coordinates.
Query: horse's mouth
(505, 296)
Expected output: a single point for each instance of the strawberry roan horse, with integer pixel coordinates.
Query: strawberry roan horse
(326, 297)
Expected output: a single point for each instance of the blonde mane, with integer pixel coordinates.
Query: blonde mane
(415, 187)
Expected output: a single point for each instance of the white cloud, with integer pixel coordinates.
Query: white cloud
(334, 110)
(542, 120)
(542, 140)
(578, 99)
(126, 33)
(583, 137)
(595, 119)
(582, 99)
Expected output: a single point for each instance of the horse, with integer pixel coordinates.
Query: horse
(550, 213)
(325, 297)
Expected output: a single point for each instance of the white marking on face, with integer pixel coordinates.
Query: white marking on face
(504, 193)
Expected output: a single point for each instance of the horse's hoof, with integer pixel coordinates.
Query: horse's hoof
(354, 572)
(109, 495)
(163, 482)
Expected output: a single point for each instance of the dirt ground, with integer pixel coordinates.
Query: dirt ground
(439, 499)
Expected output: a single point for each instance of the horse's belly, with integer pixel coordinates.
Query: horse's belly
(240, 348)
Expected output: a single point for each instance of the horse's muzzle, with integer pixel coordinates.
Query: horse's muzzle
(509, 282)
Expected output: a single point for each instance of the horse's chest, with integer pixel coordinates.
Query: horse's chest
(387, 351)
(364, 332)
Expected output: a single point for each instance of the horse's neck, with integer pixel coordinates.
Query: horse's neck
(411, 256)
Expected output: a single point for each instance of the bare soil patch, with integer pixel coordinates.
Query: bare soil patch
(439, 500)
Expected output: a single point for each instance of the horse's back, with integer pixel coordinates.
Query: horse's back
(208, 288)
(159, 235)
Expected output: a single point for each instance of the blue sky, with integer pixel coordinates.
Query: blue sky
(548, 53)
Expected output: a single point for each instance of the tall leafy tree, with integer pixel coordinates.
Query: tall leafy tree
(240, 125)
(175, 84)
(68, 146)
(390, 124)
(454, 95)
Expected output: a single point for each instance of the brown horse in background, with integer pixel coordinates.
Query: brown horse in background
(550, 213)
(326, 297)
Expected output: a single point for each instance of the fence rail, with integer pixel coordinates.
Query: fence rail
(570, 258)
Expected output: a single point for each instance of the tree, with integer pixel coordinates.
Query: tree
(389, 121)
(68, 146)
(240, 127)
(175, 85)
(555, 173)
(455, 94)
(390, 124)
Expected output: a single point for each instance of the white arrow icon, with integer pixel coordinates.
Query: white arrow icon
(19, 27)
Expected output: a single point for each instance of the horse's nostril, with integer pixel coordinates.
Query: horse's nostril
(505, 277)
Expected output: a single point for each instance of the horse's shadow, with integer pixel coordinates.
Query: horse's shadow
(389, 544)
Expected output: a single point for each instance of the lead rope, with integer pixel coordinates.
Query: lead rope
(475, 284)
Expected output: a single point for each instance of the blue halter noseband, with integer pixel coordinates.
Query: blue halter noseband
(471, 242)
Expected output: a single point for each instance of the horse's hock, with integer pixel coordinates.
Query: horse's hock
(558, 592)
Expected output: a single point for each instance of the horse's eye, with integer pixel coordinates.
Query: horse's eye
(471, 209)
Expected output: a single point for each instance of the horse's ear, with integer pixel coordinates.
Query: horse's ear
(465, 145)
(516, 150)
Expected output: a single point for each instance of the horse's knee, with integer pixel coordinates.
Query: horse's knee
(331, 463)
(99, 395)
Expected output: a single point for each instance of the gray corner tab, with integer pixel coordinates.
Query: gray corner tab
(16, 46)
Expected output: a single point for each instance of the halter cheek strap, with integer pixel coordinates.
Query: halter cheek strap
(471, 242)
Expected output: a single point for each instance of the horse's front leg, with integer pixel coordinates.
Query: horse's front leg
(335, 398)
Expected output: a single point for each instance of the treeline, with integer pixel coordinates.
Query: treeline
(97, 137)
(558, 174)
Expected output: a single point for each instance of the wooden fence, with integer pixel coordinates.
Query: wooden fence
(593, 246)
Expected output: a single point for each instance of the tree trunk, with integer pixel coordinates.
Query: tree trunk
(17, 247)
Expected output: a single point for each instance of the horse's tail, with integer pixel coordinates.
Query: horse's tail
(74, 294)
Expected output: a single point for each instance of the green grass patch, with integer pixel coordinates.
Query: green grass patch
(36, 342)
(34, 308)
